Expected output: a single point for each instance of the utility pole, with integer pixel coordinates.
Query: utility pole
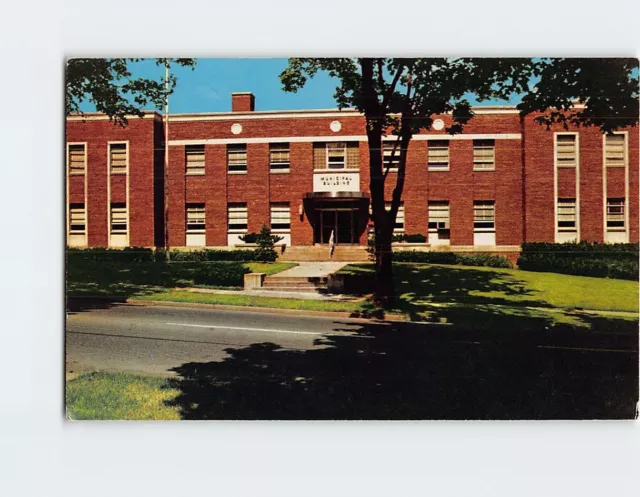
(166, 159)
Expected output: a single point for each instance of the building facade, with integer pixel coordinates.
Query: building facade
(505, 180)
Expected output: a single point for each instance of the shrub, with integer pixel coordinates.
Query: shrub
(127, 254)
(213, 255)
(425, 257)
(409, 238)
(616, 260)
(249, 237)
(265, 240)
(483, 260)
(208, 273)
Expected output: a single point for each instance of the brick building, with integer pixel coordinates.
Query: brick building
(502, 182)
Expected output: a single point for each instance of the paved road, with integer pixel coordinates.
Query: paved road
(254, 365)
(154, 339)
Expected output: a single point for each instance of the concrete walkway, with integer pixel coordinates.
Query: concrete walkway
(311, 270)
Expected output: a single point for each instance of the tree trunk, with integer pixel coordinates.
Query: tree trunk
(384, 289)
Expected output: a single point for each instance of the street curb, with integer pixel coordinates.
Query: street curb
(268, 310)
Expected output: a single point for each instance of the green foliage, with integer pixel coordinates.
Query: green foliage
(128, 254)
(410, 238)
(213, 255)
(452, 258)
(266, 241)
(616, 260)
(249, 237)
(111, 87)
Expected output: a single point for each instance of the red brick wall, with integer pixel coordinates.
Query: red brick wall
(97, 133)
(460, 185)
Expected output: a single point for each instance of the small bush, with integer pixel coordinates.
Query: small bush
(127, 254)
(483, 260)
(214, 255)
(208, 273)
(410, 238)
(425, 257)
(249, 237)
(616, 260)
(266, 241)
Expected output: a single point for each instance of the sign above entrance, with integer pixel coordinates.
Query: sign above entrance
(336, 182)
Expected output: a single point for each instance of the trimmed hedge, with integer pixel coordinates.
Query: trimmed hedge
(127, 254)
(410, 238)
(208, 273)
(615, 260)
(451, 258)
(242, 255)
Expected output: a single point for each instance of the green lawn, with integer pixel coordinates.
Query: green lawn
(253, 301)
(126, 279)
(119, 396)
(435, 283)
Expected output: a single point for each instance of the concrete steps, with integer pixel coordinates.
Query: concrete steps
(294, 284)
(341, 253)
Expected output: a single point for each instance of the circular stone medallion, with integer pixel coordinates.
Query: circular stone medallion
(335, 126)
(236, 129)
(438, 124)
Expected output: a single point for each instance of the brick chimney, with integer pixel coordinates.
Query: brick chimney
(243, 101)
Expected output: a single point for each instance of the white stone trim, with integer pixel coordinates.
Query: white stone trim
(350, 138)
(128, 204)
(68, 200)
(558, 235)
(605, 194)
(98, 116)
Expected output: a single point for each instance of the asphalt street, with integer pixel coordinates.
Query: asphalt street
(233, 364)
(154, 339)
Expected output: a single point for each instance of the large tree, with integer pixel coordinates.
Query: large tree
(110, 85)
(401, 96)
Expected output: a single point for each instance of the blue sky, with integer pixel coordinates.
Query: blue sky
(208, 87)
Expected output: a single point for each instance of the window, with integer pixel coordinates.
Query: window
(195, 218)
(438, 216)
(615, 214)
(279, 157)
(237, 158)
(614, 150)
(438, 155)
(336, 155)
(484, 215)
(391, 155)
(77, 219)
(237, 217)
(77, 159)
(566, 151)
(118, 218)
(566, 214)
(194, 158)
(484, 158)
(399, 226)
(280, 217)
(118, 158)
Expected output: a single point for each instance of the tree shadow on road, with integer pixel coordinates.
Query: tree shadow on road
(425, 371)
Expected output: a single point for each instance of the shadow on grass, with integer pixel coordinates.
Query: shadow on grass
(425, 371)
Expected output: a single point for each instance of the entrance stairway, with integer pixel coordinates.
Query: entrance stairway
(301, 284)
(341, 253)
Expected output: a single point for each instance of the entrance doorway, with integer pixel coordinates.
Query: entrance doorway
(339, 221)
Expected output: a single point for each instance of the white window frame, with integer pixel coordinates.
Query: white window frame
(438, 206)
(560, 163)
(441, 164)
(476, 219)
(84, 168)
(231, 148)
(336, 146)
(280, 166)
(625, 150)
(400, 224)
(387, 149)
(563, 204)
(481, 163)
(276, 209)
(237, 207)
(611, 202)
(127, 149)
(111, 216)
(83, 212)
(195, 168)
(191, 209)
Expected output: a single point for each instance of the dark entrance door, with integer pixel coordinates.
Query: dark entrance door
(338, 221)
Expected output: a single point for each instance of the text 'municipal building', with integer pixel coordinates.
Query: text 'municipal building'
(505, 180)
